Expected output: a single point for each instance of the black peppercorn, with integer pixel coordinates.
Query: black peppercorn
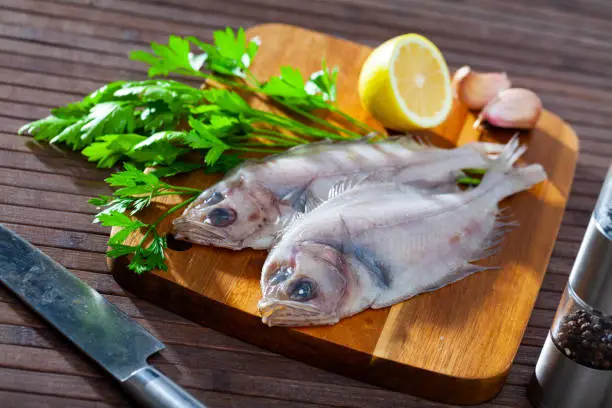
(586, 338)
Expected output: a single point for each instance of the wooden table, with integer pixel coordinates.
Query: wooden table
(55, 51)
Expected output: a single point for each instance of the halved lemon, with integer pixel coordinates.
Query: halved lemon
(405, 84)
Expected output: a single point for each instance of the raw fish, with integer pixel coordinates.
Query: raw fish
(250, 205)
(371, 245)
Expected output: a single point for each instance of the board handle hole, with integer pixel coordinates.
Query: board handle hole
(177, 244)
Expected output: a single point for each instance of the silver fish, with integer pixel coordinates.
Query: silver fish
(375, 244)
(250, 205)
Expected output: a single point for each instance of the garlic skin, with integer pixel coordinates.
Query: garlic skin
(514, 108)
(476, 89)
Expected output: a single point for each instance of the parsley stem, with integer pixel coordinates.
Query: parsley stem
(173, 209)
(294, 124)
(308, 115)
(257, 150)
(282, 135)
(185, 189)
(469, 181)
(318, 120)
(475, 171)
(163, 216)
(268, 136)
(167, 193)
(350, 119)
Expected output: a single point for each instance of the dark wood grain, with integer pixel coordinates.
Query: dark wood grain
(55, 51)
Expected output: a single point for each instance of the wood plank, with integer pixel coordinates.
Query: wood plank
(58, 238)
(38, 97)
(66, 24)
(30, 63)
(22, 327)
(53, 182)
(542, 318)
(24, 111)
(393, 18)
(30, 400)
(27, 144)
(13, 313)
(86, 261)
(50, 36)
(10, 125)
(123, 20)
(45, 200)
(50, 218)
(230, 379)
(101, 390)
(77, 169)
(60, 385)
(67, 54)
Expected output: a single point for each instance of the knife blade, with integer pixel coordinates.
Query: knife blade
(107, 335)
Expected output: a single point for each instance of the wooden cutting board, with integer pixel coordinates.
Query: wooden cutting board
(455, 344)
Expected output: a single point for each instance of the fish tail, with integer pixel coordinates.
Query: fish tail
(506, 179)
(486, 149)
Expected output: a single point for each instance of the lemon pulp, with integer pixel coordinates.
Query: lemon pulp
(405, 84)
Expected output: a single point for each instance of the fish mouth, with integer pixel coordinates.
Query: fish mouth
(290, 313)
(201, 233)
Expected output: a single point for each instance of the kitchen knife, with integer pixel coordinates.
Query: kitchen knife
(99, 329)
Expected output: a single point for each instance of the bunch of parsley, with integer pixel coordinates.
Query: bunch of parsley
(156, 122)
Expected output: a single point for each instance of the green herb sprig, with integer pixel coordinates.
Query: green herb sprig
(136, 190)
(159, 121)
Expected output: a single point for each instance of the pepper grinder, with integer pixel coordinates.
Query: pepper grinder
(574, 369)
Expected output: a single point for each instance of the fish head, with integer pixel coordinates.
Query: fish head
(304, 287)
(231, 214)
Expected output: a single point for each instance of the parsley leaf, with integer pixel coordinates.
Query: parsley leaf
(175, 168)
(118, 219)
(291, 89)
(323, 82)
(175, 57)
(230, 54)
(224, 164)
(133, 181)
(227, 100)
(103, 118)
(121, 250)
(158, 148)
(47, 128)
(108, 150)
(100, 200)
(150, 257)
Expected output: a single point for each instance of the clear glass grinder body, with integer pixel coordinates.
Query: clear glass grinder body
(575, 366)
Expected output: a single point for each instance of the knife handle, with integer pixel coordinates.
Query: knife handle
(152, 389)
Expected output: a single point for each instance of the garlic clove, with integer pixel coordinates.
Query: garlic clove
(458, 77)
(514, 108)
(476, 89)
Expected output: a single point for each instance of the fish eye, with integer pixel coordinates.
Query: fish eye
(281, 275)
(302, 290)
(214, 198)
(221, 217)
